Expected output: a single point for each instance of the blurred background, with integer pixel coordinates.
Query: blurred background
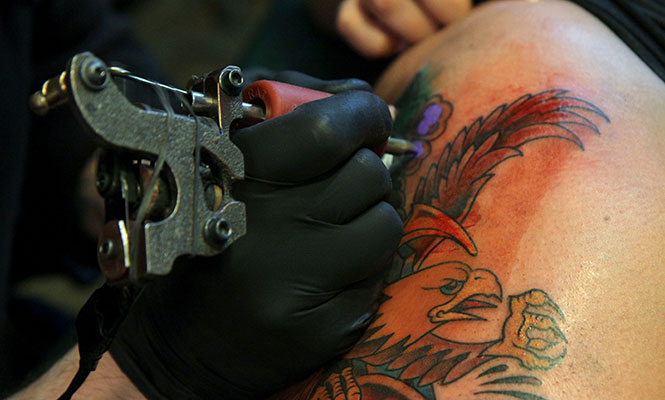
(198, 36)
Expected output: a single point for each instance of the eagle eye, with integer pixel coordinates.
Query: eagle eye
(451, 286)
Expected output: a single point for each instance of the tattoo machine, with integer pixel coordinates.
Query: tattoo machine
(165, 176)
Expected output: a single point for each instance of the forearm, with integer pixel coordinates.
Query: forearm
(107, 382)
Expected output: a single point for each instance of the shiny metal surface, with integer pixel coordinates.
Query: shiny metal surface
(182, 141)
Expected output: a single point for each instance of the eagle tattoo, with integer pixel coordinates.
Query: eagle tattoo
(407, 352)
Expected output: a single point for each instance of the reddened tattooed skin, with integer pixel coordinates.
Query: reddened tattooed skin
(407, 352)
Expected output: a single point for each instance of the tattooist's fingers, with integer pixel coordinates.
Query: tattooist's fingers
(448, 11)
(314, 138)
(363, 32)
(362, 247)
(350, 311)
(361, 183)
(405, 18)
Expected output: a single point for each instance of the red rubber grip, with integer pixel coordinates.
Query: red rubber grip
(281, 98)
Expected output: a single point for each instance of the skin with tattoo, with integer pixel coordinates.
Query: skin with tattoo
(531, 265)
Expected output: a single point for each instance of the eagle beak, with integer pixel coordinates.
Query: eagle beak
(481, 290)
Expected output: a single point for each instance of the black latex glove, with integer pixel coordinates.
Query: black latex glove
(301, 286)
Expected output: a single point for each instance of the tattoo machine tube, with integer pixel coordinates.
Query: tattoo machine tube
(278, 98)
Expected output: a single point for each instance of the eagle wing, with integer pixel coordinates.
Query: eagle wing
(466, 164)
(431, 359)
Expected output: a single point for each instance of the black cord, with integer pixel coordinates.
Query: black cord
(96, 326)
(76, 383)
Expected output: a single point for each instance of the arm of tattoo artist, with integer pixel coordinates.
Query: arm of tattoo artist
(106, 383)
(532, 263)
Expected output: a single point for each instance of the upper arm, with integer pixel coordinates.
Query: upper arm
(532, 259)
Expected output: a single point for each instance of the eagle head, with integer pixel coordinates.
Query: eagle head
(434, 295)
(461, 290)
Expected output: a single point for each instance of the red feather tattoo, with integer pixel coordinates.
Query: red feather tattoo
(445, 196)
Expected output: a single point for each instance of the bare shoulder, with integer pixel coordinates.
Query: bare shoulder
(525, 41)
(532, 264)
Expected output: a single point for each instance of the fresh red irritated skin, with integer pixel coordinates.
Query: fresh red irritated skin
(470, 163)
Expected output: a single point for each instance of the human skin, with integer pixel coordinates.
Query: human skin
(107, 382)
(548, 282)
(381, 28)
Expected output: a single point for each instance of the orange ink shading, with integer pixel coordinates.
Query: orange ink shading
(445, 196)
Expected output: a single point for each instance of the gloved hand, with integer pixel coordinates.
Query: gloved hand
(301, 286)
